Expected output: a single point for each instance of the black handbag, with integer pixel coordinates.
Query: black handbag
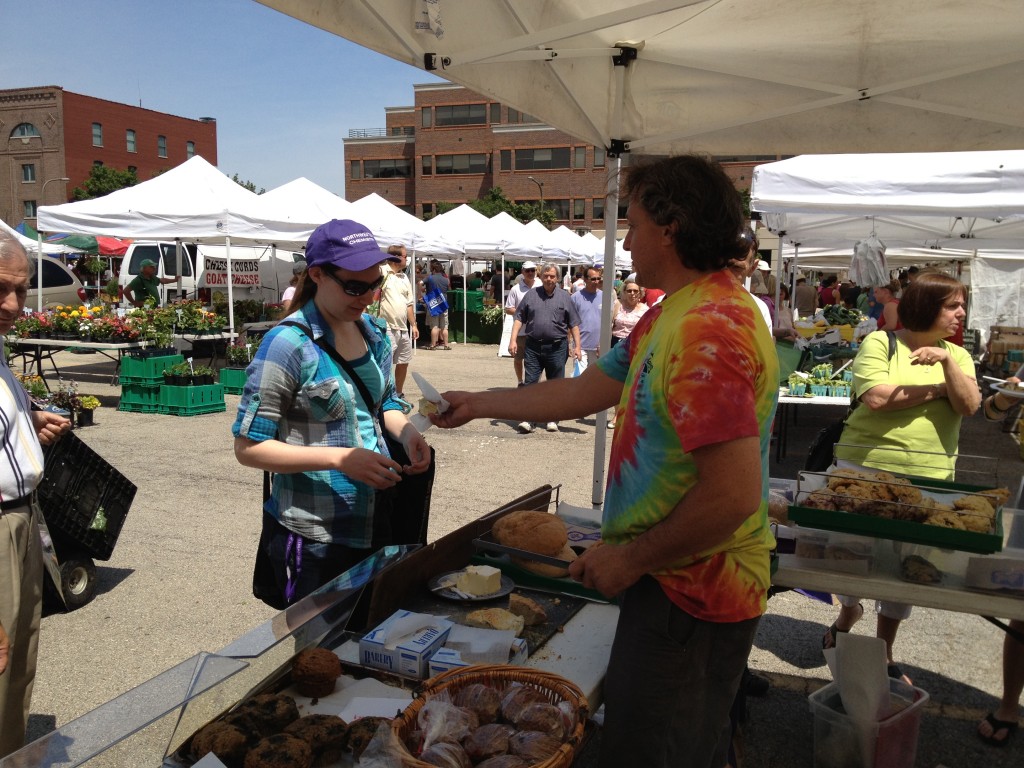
(264, 584)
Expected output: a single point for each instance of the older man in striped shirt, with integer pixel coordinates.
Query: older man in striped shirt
(21, 467)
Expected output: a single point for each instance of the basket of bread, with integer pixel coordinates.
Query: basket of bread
(493, 716)
(910, 509)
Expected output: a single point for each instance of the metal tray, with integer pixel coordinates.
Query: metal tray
(486, 543)
(905, 530)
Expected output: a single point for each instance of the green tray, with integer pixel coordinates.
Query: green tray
(525, 578)
(906, 530)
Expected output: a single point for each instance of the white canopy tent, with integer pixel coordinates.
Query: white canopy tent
(933, 206)
(300, 201)
(192, 202)
(729, 77)
(390, 224)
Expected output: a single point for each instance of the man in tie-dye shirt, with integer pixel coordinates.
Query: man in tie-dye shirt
(685, 531)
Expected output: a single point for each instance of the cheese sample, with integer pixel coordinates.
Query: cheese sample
(428, 407)
(479, 580)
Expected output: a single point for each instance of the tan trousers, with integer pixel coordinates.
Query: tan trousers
(21, 600)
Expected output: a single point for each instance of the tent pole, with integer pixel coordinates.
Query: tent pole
(231, 297)
(177, 263)
(39, 272)
(465, 298)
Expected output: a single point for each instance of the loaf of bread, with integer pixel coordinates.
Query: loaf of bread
(529, 609)
(537, 532)
(543, 569)
(495, 618)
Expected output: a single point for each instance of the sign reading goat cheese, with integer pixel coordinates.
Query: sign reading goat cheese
(404, 643)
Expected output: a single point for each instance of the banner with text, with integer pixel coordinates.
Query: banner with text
(243, 272)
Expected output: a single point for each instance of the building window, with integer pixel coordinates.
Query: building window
(28, 209)
(539, 159)
(387, 169)
(428, 165)
(97, 163)
(24, 131)
(495, 113)
(579, 157)
(598, 208)
(623, 205)
(461, 164)
(28, 172)
(506, 159)
(599, 157)
(190, 149)
(129, 140)
(161, 146)
(403, 130)
(560, 207)
(579, 209)
(461, 114)
(357, 169)
(426, 117)
(428, 210)
(515, 116)
(97, 134)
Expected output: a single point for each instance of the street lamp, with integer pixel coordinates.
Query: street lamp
(540, 185)
(39, 238)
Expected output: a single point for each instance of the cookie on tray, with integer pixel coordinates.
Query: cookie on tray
(229, 742)
(270, 712)
(325, 734)
(280, 751)
(315, 672)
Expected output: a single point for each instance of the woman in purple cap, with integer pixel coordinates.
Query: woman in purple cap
(317, 401)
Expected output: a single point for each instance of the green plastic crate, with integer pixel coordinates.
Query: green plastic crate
(146, 370)
(193, 400)
(140, 398)
(233, 380)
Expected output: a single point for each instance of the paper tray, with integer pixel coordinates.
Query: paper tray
(906, 530)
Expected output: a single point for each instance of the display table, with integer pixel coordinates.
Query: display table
(782, 416)
(883, 583)
(36, 350)
(149, 724)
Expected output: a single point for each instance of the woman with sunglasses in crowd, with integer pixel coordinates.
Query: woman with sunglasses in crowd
(316, 403)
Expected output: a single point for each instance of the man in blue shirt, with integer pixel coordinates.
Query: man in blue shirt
(588, 304)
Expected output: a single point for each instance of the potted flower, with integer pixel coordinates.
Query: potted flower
(87, 404)
(35, 386)
(66, 398)
(202, 374)
(178, 375)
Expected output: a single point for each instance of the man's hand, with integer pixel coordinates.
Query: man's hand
(49, 426)
(608, 568)
(5, 649)
(458, 413)
(577, 353)
(415, 331)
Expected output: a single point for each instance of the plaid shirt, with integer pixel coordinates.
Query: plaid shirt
(296, 393)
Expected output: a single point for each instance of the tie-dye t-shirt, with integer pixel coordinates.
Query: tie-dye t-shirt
(699, 369)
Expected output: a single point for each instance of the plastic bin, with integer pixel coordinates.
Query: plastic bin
(140, 398)
(192, 400)
(474, 301)
(233, 380)
(842, 742)
(77, 486)
(146, 370)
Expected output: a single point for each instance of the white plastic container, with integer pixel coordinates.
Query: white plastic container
(842, 742)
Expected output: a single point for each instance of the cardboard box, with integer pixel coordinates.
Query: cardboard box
(447, 659)
(407, 653)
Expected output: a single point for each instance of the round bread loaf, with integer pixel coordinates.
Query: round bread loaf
(533, 531)
(543, 569)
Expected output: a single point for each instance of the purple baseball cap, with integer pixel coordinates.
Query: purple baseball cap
(344, 244)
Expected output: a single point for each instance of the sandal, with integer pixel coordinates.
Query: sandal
(997, 725)
(444, 346)
(829, 639)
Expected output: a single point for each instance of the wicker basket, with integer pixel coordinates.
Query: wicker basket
(556, 689)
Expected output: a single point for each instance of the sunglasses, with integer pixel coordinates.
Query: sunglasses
(593, 279)
(529, 270)
(355, 287)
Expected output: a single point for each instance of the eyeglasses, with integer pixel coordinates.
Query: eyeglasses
(593, 279)
(355, 287)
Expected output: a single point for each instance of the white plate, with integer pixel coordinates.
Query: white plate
(1016, 394)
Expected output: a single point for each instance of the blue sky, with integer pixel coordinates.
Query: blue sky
(284, 93)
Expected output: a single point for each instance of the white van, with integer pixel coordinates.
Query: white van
(255, 275)
(164, 255)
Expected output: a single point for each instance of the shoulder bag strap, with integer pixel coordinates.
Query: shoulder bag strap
(345, 364)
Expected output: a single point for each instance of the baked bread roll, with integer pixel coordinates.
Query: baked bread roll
(529, 609)
(543, 569)
(537, 532)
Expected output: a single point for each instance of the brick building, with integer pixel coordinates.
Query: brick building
(453, 145)
(49, 133)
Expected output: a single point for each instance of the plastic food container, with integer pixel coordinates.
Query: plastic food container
(842, 742)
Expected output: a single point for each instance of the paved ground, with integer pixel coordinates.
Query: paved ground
(179, 579)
